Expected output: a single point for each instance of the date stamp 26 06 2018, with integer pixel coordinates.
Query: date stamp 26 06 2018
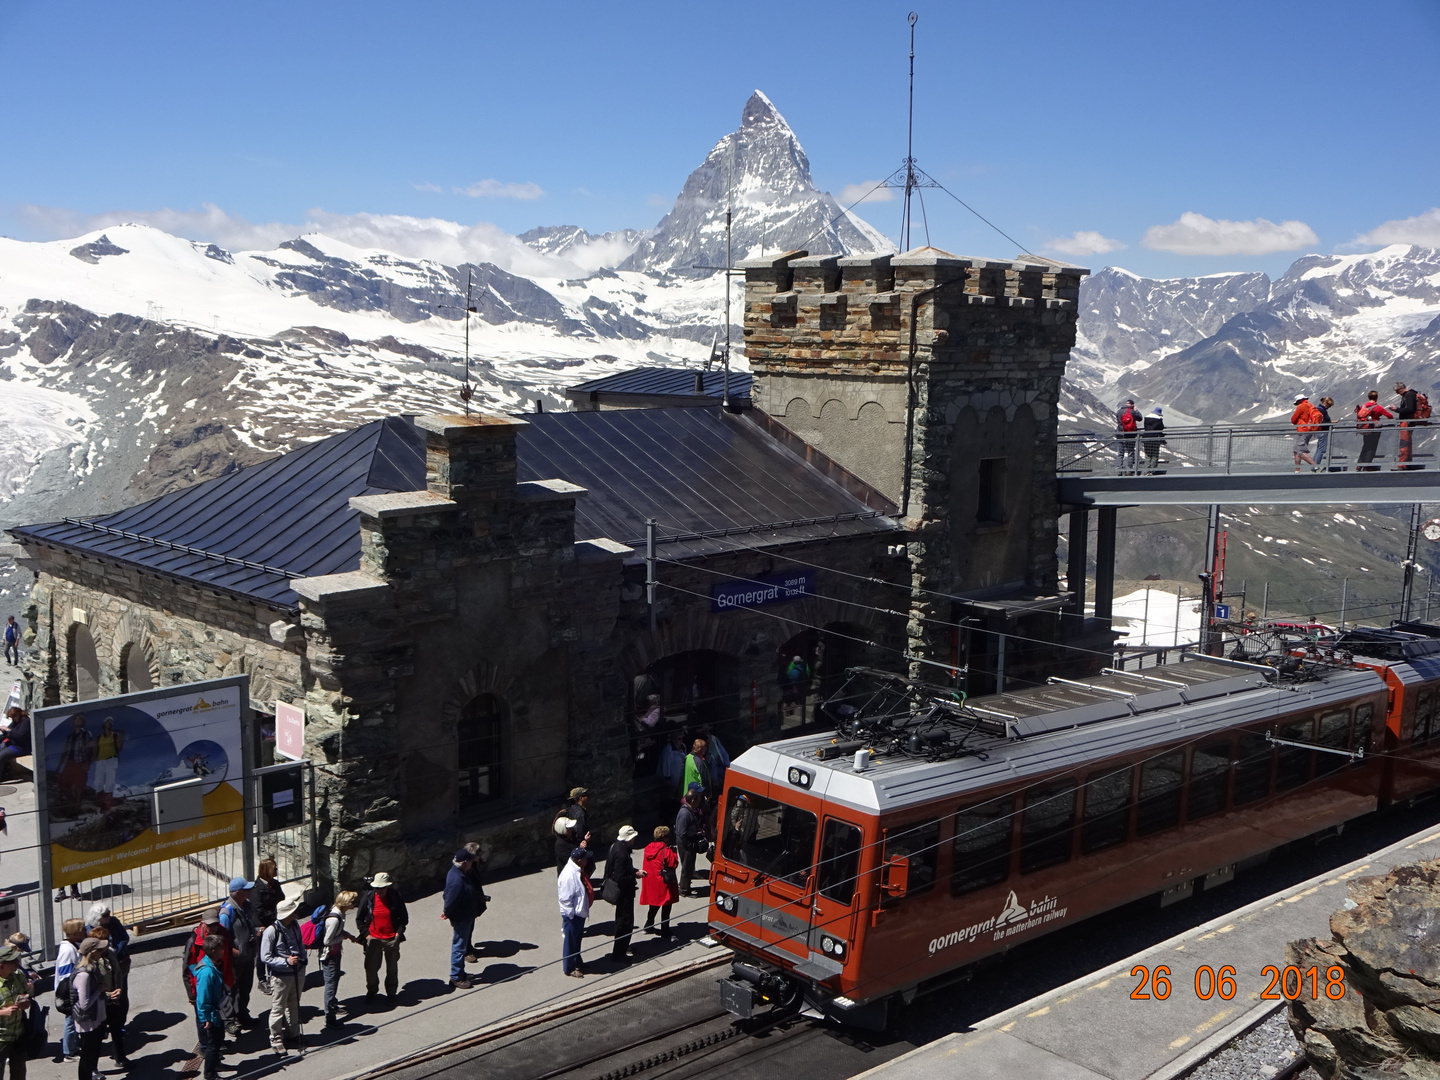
(1284, 984)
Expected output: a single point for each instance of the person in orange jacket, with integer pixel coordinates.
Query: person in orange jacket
(1306, 419)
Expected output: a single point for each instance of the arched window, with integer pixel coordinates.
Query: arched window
(479, 735)
(84, 664)
(134, 669)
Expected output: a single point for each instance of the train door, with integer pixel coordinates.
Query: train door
(837, 890)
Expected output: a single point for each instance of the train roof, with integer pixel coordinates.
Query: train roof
(1063, 725)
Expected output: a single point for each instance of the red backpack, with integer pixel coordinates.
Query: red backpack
(1128, 421)
(1422, 406)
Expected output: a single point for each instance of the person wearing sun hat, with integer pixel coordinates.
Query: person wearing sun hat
(282, 951)
(620, 870)
(380, 921)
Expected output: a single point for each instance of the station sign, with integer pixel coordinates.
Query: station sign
(1222, 611)
(760, 591)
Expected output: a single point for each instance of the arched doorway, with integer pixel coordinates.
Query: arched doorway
(135, 669)
(479, 739)
(811, 667)
(84, 664)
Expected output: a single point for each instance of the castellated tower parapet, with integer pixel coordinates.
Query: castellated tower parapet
(936, 379)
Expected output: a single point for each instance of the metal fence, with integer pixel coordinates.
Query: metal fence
(1247, 448)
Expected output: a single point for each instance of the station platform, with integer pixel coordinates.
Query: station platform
(1093, 1029)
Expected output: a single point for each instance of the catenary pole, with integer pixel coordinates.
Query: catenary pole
(650, 527)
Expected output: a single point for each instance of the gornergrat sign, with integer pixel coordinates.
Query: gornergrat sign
(757, 592)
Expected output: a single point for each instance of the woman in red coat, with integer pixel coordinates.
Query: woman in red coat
(659, 889)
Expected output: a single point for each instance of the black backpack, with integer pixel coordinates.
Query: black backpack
(64, 1002)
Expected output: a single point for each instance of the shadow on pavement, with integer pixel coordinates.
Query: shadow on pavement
(501, 949)
(152, 1020)
(496, 973)
(418, 990)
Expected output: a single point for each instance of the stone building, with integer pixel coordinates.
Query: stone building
(460, 603)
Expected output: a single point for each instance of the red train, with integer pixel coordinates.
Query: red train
(880, 861)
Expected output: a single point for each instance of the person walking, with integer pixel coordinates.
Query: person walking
(209, 993)
(1152, 439)
(12, 651)
(1306, 419)
(87, 994)
(463, 903)
(14, 1010)
(1322, 434)
(573, 889)
(659, 890)
(67, 958)
(1367, 418)
(267, 895)
(101, 920)
(477, 862)
(1127, 430)
(237, 916)
(283, 953)
(332, 937)
(621, 881)
(380, 921)
(690, 836)
(1406, 411)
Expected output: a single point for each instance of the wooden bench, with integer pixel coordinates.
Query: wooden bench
(179, 910)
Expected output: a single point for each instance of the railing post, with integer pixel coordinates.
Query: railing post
(1229, 447)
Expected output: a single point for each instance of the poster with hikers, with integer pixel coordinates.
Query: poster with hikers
(103, 758)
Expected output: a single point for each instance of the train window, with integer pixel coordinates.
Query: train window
(1292, 764)
(1045, 826)
(1334, 731)
(983, 838)
(1252, 768)
(1424, 729)
(839, 860)
(1107, 809)
(1160, 786)
(1364, 718)
(769, 837)
(918, 843)
(1209, 777)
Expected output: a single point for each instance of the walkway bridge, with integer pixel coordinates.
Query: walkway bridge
(1249, 464)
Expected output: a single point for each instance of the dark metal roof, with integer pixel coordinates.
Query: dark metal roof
(697, 471)
(663, 381)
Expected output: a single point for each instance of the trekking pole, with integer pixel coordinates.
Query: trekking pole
(299, 1012)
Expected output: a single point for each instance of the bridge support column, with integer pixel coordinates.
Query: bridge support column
(1105, 564)
(1079, 556)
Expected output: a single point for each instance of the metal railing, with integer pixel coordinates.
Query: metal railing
(1247, 448)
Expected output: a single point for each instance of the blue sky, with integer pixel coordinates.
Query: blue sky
(1055, 121)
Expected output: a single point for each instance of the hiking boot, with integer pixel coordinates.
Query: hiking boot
(462, 983)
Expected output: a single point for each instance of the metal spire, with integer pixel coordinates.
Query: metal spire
(911, 181)
(466, 390)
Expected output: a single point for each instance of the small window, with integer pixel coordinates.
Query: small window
(1334, 731)
(1160, 787)
(991, 507)
(1252, 768)
(918, 843)
(839, 861)
(1045, 827)
(1209, 779)
(1292, 764)
(1364, 718)
(478, 736)
(1107, 809)
(983, 839)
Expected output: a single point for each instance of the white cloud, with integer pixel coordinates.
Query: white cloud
(427, 186)
(1422, 229)
(448, 242)
(494, 189)
(867, 191)
(1084, 242)
(1196, 234)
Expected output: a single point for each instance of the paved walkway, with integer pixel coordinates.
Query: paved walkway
(1093, 1029)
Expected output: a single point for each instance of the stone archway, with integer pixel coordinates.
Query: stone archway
(84, 666)
(138, 669)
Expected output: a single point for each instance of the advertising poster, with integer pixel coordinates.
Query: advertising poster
(103, 758)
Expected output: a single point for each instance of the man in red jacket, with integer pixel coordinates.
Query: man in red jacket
(1367, 419)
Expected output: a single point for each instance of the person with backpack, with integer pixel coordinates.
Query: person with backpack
(332, 938)
(282, 951)
(66, 960)
(463, 904)
(1127, 430)
(380, 922)
(237, 916)
(659, 890)
(620, 884)
(87, 1006)
(209, 994)
(195, 949)
(690, 835)
(1152, 439)
(1322, 437)
(12, 643)
(1367, 418)
(1413, 410)
(1306, 419)
(15, 993)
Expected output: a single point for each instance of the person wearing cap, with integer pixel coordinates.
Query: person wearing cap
(209, 996)
(690, 835)
(1127, 430)
(332, 938)
(237, 916)
(573, 889)
(1406, 410)
(282, 951)
(1152, 438)
(462, 906)
(87, 991)
(195, 949)
(659, 890)
(15, 991)
(579, 799)
(621, 870)
(380, 922)
(1306, 419)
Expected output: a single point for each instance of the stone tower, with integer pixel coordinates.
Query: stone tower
(935, 379)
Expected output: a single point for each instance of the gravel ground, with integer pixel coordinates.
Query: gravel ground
(1257, 1055)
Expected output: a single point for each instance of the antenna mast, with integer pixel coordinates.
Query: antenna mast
(466, 390)
(911, 181)
(729, 265)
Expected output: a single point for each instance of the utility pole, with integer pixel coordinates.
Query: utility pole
(650, 528)
(1412, 551)
(1209, 640)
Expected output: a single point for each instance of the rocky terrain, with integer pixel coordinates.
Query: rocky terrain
(1386, 944)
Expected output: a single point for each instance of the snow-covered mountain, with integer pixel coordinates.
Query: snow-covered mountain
(1239, 346)
(762, 171)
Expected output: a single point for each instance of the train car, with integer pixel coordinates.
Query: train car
(927, 833)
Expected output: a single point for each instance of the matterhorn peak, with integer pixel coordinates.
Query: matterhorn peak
(761, 172)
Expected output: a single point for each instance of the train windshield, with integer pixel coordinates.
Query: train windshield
(769, 837)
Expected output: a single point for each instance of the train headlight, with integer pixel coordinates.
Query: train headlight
(839, 948)
(831, 947)
(726, 903)
(827, 945)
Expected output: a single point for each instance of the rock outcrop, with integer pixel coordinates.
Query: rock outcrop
(1387, 945)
